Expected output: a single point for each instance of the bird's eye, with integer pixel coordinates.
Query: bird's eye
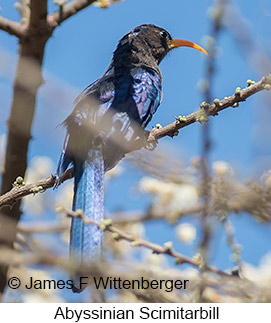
(163, 34)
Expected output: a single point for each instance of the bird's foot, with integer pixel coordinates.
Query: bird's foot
(57, 181)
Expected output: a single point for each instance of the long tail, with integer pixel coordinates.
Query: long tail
(86, 239)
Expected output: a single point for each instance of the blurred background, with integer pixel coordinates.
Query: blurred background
(166, 181)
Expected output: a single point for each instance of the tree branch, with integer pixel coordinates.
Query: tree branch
(167, 249)
(212, 110)
(66, 11)
(31, 52)
(20, 191)
(11, 27)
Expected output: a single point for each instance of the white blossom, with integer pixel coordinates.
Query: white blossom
(186, 232)
(171, 196)
(222, 168)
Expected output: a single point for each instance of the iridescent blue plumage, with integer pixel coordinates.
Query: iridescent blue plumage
(107, 121)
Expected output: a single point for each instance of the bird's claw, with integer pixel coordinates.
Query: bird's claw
(57, 181)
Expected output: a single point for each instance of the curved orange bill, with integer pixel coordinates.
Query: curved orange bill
(174, 43)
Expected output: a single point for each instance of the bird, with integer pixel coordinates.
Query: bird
(107, 122)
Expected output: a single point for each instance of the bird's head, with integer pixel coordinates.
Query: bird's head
(148, 44)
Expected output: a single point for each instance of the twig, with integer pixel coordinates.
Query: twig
(120, 218)
(167, 249)
(136, 217)
(213, 110)
(21, 191)
(42, 228)
(235, 247)
(244, 34)
(66, 11)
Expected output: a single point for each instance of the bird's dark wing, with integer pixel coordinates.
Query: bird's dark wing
(147, 93)
(137, 93)
(115, 108)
